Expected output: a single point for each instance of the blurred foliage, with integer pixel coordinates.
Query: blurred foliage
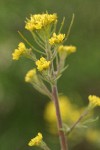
(21, 107)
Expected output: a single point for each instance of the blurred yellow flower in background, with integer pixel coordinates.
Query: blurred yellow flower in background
(69, 112)
(93, 136)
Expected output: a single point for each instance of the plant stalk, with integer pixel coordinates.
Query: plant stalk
(62, 138)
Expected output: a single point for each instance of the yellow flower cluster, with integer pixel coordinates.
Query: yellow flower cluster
(68, 49)
(36, 141)
(39, 21)
(31, 74)
(18, 52)
(56, 39)
(94, 100)
(42, 64)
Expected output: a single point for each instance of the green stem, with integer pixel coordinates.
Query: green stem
(62, 138)
(44, 146)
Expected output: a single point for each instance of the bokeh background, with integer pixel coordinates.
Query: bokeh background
(21, 107)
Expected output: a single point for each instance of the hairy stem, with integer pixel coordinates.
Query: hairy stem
(62, 138)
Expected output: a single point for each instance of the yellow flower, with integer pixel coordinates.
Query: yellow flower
(68, 49)
(36, 141)
(50, 110)
(31, 75)
(69, 113)
(94, 101)
(39, 21)
(18, 52)
(42, 64)
(56, 39)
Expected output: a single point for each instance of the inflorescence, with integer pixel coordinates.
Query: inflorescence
(52, 53)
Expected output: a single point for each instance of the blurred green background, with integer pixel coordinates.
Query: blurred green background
(21, 107)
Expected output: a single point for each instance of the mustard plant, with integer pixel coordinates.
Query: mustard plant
(48, 68)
